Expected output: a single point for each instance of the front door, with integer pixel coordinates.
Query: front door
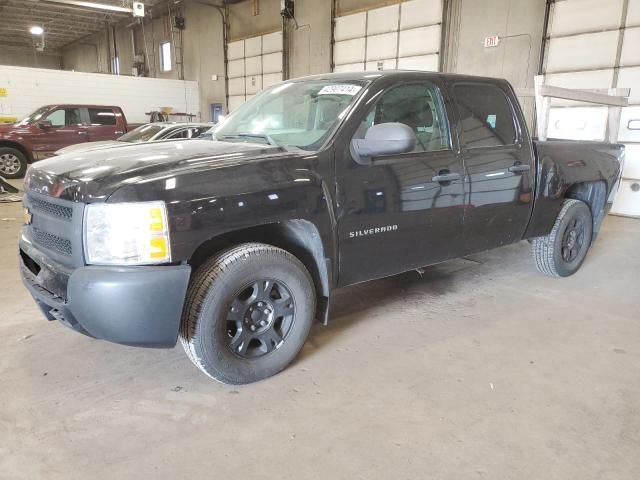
(404, 211)
(499, 166)
(66, 129)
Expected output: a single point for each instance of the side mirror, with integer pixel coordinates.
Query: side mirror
(383, 139)
(44, 124)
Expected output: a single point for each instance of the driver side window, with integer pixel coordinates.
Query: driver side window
(416, 105)
(64, 117)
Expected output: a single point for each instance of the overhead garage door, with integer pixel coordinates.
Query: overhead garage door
(253, 64)
(405, 36)
(595, 44)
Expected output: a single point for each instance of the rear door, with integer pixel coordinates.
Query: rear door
(102, 124)
(405, 210)
(499, 166)
(67, 128)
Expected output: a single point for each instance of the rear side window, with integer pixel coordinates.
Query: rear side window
(486, 116)
(102, 116)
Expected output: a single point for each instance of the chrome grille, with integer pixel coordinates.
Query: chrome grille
(52, 242)
(52, 209)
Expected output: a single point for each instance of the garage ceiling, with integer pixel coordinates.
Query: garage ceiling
(63, 23)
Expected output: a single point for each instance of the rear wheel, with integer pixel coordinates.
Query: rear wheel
(13, 163)
(248, 313)
(562, 252)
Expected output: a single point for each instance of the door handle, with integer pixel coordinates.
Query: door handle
(446, 177)
(520, 168)
(82, 133)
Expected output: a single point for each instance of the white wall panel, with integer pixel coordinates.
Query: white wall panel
(630, 126)
(349, 51)
(272, 42)
(269, 79)
(630, 78)
(631, 48)
(403, 35)
(580, 123)
(31, 88)
(632, 162)
(382, 46)
(388, 64)
(429, 63)
(571, 53)
(235, 50)
(235, 101)
(272, 63)
(256, 64)
(581, 16)
(633, 13)
(235, 68)
(253, 65)
(419, 41)
(351, 26)
(253, 84)
(253, 46)
(383, 20)
(349, 67)
(236, 86)
(627, 199)
(418, 13)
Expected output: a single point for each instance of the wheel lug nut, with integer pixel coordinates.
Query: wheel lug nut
(267, 311)
(253, 328)
(263, 323)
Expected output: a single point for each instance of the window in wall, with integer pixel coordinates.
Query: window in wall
(65, 117)
(486, 115)
(165, 56)
(417, 106)
(102, 116)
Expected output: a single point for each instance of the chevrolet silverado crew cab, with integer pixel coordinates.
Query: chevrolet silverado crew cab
(53, 127)
(235, 246)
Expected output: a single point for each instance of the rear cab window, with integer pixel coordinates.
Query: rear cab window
(102, 116)
(486, 115)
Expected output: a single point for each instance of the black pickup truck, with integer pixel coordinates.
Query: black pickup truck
(235, 246)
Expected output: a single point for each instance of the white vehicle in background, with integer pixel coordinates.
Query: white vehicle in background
(150, 132)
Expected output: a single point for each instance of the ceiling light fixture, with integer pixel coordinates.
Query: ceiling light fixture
(36, 30)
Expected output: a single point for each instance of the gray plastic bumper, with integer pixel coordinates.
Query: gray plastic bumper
(139, 306)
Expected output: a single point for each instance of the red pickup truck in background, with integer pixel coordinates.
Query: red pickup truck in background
(53, 127)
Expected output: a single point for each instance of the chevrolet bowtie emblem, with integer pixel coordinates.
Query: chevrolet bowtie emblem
(27, 217)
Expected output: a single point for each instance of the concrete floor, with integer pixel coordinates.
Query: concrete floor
(482, 368)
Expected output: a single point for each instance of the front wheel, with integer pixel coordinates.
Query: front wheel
(562, 252)
(13, 163)
(248, 313)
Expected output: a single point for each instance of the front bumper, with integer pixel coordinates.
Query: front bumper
(139, 306)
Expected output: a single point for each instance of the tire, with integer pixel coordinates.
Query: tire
(13, 163)
(237, 327)
(562, 252)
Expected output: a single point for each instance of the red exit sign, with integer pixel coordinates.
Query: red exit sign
(492, 41)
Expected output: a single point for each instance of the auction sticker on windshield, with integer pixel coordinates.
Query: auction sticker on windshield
(340, 90)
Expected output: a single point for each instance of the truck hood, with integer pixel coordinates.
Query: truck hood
(95, 175)
(88, 146)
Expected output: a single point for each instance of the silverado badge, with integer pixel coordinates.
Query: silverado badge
(27, 217)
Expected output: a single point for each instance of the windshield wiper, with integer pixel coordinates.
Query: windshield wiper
(262, 136)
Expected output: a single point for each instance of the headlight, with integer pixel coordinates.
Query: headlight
(126, 233)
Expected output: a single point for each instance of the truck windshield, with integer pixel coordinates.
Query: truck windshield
(141, 134)
(35, 116)
(292, 114)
